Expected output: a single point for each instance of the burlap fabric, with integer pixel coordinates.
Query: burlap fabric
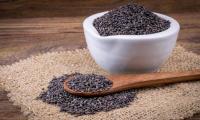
(26, 79)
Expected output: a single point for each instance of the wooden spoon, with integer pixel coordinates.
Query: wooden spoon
(129, 81)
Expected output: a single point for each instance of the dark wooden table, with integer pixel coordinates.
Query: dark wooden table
(39, 26)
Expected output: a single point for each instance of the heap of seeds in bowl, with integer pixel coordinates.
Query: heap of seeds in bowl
(131, 19)
(77, 105)
(89, 83)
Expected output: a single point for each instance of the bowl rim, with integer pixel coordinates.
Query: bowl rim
(173, 29)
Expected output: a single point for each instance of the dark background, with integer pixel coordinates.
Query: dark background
(29, 27)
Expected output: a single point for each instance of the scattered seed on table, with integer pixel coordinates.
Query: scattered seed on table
(130, 19)
(77, 105)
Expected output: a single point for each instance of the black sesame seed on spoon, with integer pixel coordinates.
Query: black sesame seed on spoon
(89, 83)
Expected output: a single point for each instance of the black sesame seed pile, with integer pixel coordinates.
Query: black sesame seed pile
(89, 83)
(131, 19)
(77, 105)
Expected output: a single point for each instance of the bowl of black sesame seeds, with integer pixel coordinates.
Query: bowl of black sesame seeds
(130, 38)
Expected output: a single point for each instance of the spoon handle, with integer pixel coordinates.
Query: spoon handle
(124, 82)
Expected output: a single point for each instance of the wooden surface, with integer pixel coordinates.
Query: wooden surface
(60, 8)
(39, 26)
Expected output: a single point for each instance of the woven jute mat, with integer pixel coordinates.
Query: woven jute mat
(25, 80)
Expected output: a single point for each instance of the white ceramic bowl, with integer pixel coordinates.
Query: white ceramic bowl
(130, 53)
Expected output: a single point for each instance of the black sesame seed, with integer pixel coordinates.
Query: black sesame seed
(77, 105)
(131, 19)
(89, 83)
